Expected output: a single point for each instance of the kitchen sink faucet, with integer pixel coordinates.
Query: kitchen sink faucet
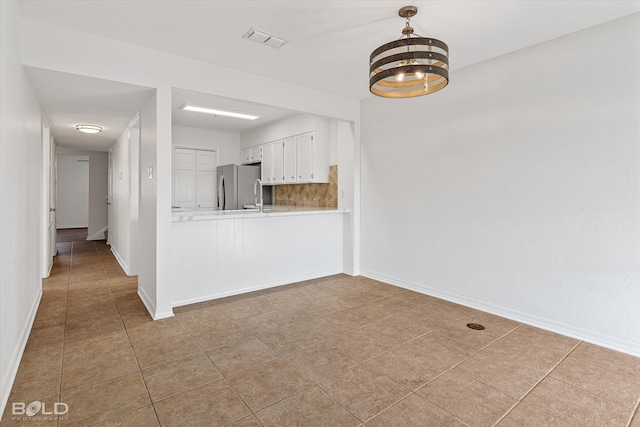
(255, 194)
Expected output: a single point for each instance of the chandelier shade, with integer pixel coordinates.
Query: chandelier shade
(410, 66)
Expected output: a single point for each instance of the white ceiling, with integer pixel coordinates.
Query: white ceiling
(266, 113)
(68, 100)
(329, 41)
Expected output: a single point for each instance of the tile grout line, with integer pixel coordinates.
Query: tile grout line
(634, 414)
(224, 377)
(410, 392)
(466, 358)
(126, 331)
(66, 314)
(448, 370)
(537, 383)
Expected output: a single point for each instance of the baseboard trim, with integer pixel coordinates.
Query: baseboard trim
(123, 264)
(350, 272)
(9, 377)
(252, 288)
(151, 307)
(591, 337)
(50, 266)
(99, 235)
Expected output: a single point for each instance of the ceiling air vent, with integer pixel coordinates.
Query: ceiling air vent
(264, 38)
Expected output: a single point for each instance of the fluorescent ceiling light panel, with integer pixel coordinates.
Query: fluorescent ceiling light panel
(264, 38)
(216, 112)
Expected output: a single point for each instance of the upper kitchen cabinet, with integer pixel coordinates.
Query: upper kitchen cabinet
(293, 150)
(245, 156)
(267, 171)
(277, 151)
(284, 161)
(312, 159)
(298, 159)
(289, 160)
(251, 155)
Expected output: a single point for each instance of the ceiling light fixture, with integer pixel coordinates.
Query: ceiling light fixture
(264, 38)
(216, 112)
(410, 66)
(89, 128)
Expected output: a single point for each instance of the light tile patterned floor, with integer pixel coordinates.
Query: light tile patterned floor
(337, 351)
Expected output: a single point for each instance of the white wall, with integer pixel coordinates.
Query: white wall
(20, 200)
(119, 234)
(134, 195)
(148, 208)
(123, 235)
(98, 189)
(515, 189)
(226, 144)
(346, 158)
(72, 191)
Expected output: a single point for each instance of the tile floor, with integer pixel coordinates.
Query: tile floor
(337, 351)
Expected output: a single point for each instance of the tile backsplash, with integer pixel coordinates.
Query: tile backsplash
(315, 194)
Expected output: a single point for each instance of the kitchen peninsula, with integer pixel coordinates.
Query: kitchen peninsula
(221, 253)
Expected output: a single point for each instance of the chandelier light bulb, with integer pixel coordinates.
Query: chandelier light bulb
(400, 77)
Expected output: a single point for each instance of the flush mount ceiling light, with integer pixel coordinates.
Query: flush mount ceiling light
(89, 128)
(216, 112)
(410, 66)
(263, 37)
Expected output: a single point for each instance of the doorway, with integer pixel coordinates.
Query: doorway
(72, 191)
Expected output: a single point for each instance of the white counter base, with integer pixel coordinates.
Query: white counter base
(220, 257)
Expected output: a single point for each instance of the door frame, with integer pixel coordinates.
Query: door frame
(48, 201)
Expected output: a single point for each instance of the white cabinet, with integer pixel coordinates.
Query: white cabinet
(245, 156)
(194, 179)
(256, 154)
(278, 162)
(289, 160)
(297, 159)
(313, 159)
(305, 157)
(267, 170)
(284, 161)
(251, 155)
(221, 257)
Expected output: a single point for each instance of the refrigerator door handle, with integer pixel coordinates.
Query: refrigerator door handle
(221, 193)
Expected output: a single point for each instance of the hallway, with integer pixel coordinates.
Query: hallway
(329, 352)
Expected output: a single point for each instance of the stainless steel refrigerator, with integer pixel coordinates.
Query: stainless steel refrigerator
(235, 186)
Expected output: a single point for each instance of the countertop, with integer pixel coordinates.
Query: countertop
(268, 210)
